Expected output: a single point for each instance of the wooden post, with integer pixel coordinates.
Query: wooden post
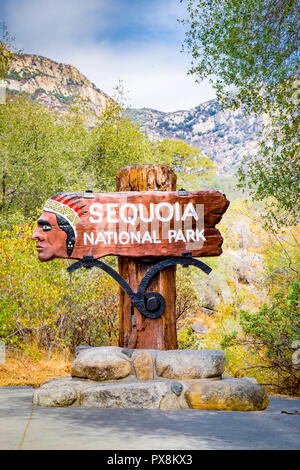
(136, 330)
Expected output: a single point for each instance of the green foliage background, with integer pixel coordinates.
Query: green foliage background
(249, 50)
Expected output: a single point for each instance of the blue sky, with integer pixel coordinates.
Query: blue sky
(136, 41)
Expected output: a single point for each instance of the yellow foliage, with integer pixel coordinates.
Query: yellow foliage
(40, 302)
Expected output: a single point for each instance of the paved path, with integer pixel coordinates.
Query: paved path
(27, 427)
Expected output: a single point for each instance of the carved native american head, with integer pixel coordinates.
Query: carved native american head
(55, 232)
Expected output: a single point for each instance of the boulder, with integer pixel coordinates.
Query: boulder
(65, 396)
(145, 395)
(190, 364)
(56, 392)
(143, 365)
(103, 363)
(227, 394)
(199, 329)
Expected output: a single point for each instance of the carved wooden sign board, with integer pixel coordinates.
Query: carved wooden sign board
(148, 224)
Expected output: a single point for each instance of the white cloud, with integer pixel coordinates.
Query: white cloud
(40, 23)
(85, 34)
(155, 77)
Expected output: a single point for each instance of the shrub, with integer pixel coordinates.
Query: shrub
(187, 338)
(39, 90)
(40, 304)
(13, 75)
(269, 334)
(63, 98)
(187, 301)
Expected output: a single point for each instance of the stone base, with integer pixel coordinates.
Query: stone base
(202, 394)
(112, 377)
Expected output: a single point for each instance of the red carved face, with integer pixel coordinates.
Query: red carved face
(50, 239)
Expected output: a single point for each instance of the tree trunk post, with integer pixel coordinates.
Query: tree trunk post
(136, 330)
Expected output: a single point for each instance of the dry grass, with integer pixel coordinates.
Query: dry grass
(23, 369)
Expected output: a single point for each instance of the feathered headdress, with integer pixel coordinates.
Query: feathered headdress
(67, 206)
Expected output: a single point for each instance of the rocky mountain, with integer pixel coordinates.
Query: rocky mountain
(225, 136)
(52, 84)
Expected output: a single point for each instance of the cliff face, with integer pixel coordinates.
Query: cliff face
(225, 136)
(52, 84)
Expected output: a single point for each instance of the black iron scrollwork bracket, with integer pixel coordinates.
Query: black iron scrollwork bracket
(150, 304)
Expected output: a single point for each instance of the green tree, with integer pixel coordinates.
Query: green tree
(40, 155)
(115, 142)
(249, 51)
(6, 54)
(192, 168)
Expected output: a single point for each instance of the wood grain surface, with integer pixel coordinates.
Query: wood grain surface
(89, 242)
(136, 330)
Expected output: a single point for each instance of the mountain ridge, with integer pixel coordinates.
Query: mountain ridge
(52, 83)
(223, 135)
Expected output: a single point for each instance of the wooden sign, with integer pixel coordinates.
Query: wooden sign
(148, 224)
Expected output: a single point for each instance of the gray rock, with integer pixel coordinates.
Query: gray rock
(127, 351)
(190, 364)
(199, 329)
(62, 391)
(104, 363)
(176, 387)
(125, 395)
(207, 311)
(62, 395)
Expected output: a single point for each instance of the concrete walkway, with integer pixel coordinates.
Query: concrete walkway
(27, 427)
